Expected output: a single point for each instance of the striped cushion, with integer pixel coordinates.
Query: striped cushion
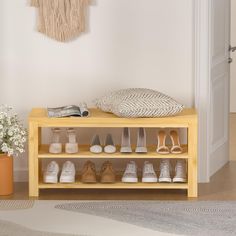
(138, 102)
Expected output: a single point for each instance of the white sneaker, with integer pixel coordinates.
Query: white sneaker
(72, 146)
(130, 175)
(125, 141)
(165, 171)
(51, 173)
(68, 173)
(56, 146)
(141, 141)
(180, 172)
(149, 175)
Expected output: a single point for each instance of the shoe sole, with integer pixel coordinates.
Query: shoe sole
(125, 150)
(129, 180)
(141, 150)
(55, 148)
(89, 180)
(179, 180)
(164, 180)
(96, 149)
(107, 181)
(48, 180)
(67, 180)
(149, 180)
(71, 148)
(109, 149)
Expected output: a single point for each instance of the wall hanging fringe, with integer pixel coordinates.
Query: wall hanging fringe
(62, 20)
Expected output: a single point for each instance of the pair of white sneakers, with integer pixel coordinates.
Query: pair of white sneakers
(51, 173)
(131, 173)
(180, 171)
(149, 175)
(56, 145)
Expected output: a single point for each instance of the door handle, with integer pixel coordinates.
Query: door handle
(232, 49)
(230, 60)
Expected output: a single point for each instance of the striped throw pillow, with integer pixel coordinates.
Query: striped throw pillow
(139, 102)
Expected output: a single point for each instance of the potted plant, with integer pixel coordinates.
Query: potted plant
(12, 140)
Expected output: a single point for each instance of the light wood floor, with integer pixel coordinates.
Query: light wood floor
(221, 187)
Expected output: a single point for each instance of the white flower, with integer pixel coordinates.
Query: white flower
(4, 149)
(12, 133)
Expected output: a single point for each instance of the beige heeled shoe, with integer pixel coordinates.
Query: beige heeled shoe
(161, 145)
(176, 148)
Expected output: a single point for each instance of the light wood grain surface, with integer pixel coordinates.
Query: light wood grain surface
(38, 118)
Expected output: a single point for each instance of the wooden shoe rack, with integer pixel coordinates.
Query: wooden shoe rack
(38, 119)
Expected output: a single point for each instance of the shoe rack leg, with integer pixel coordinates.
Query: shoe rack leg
(192, 161)
(33, 159)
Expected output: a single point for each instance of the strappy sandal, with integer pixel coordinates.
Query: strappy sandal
(176, 148)
(161, 146)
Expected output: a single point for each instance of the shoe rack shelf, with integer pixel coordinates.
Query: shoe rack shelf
(38, 119)
(85, 153)
(117, 185)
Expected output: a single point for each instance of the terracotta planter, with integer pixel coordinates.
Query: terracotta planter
(6, 175)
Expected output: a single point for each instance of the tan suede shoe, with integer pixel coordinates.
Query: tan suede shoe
(89, 173)
(108, 174)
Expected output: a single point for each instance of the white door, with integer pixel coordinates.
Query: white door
(219, 85)
(233, 66)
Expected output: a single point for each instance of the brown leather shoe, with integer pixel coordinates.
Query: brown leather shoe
(89, 173)
(108, 174)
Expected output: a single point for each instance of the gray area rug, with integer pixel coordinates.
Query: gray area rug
(12, 229)
(185, 218)
(6, 205)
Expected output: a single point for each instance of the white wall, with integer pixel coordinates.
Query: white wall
(233, 55)
(134, 43)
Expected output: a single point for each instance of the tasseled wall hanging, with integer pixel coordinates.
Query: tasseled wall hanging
(62, 20)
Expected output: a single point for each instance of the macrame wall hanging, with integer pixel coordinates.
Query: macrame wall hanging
(62, 20)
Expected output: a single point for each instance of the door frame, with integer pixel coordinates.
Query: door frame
(202, 73)
(202, 46)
